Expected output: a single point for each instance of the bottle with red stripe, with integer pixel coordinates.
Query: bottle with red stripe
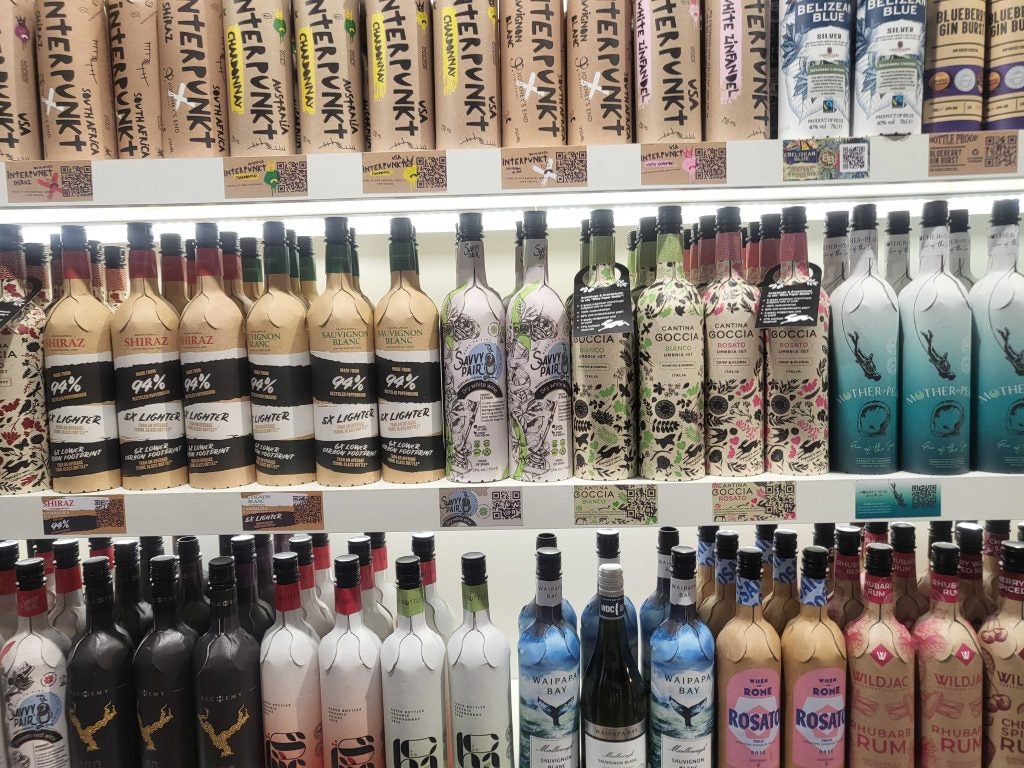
(909, 604)
(975, 604)
(846, 602)
(35, 679)
(102, 546)
(322, 567)
(949, 673)
(43, 548)
(440, 616)
(8, 590)
(317, 614)
(375, 616)
(996, 532)
(68, 612)
(938, 530)
(350, 675)
(383, 586)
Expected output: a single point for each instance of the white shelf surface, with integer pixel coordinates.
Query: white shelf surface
(390, 507)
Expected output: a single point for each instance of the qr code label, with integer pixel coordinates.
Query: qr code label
(757, 501)
(571, 167)
(634, 504)
(924, 496)
(42, 182)
(480, 508)
(1001, 151)
(293, 178)
(896, 499)
(854, 158)
(282, 510)
(82, 515)
(543, 168)
(432, 173)
(711, 164)
(260, 178)
(676, 164)
(76, 181)
(397, 173)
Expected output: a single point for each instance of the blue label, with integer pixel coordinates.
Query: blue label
(813, 592)
(549, 692)
(748, 592)
(897, 499)
(705, 552)
(725, 571)
(784, 569)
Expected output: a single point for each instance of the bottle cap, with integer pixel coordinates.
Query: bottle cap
(546, 539)
(360, 546)
(903, 537)
(1006, 212)
(998, 527)
(65, 553)
(95, 571)
(35, 254)
(865, 216)
(243, 548)
(10, 237)
(878, 559)
(163, 569)
(263, 541)
(188, 549)
(378, 539)
(336, 230)
(794, 218)
(534, 226)
(785, 543)
(95, 251)
(728, 219)
(670, 219)
(401, 230)
(321, 539)
(726, 544)
(898, 222)
(668, 537)
(765, 531)
(959, 220)
(249, 248)
(935, 214)
(190, 250)
(286, 568)
(815, 562)
(346, 571)
(695, 233)
(754, 232)
(877, 527)
(289, 236)
(222, 572)
(607, 543)
(706, 533)
(471, 225)
(55, 246)
(939, 530)
(273, 233)
(302, 545)
(1012, 557)
(648, 229)
(687, 239)
(40, 545)
(207, 235)
(151, 546)
(749, 563)
(945, 558)
(30, 573)
(970, 538)
(707, 227)
(229, 242)
(585, 231)
(113, 257)
(407, 572)
(306, 247)
(474, 569)
(170, 244)
(423, 546)
(140, 235)
(126, 553)
(73, 238)
(684, 562)
(549, 564)
(610, 580)
(602, 222)
(771, 226)
(9, 554)
(848, 540)
(224, 544)
(837, 223)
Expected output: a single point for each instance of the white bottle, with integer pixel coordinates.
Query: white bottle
(374, 615)
(317, 614)
(897, 250)
(34, 683)
(290, 676)
(322, 568)
(350, 681)
(384, 587)
(440, 616)
(479, 682)
(413, 680)
(835, 251)
(960, 247)
(68, 612)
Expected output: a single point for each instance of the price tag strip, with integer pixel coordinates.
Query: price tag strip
(263, 178)
(750, 502)
(618, 505)
(412, 172)
(40, 182)
(283, 511)
(897, 499)
(969, 154)
(480, 507)
(83, 515)
(543, 168)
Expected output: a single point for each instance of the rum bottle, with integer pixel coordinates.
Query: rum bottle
(996, 532)
(908, 602)
(975, 603)
(846, 602)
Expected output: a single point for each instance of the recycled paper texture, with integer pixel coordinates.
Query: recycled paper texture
(134, 54)
(532, 73)
(20, 136)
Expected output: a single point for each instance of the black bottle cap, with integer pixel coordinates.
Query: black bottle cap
(378, 539)
(474, 569)
(726, 544)
(126, 552)
(878, 559)
(140, 235)
(73, 238)
(815, 562)
(289, 235)
(935, 214)
(102, 542)
(188, 549)
(865, 216)
(207, 235)
(401, 230)
(190, 249)
(749, 563)
(687, 239)
(151, 546)
(302, 545)
(30, 573)
(670, 219)
(939, 530)
(668, 537)
(407, 572)
(602, 222)
(648, 229)
(765, 531)
(585, 231)
(837, 223)
(306, 247)
(286, 568)
(243, 548)
(360, 546)
(222, 572)
(695, 233)
(684, 562)
(321, 539)
(794, 218)
(249, 248)
(114, 257)
(423, 546)
(65, 553)
(10, 237)
(35, 254)
(784, 543)
(771, 226)
(336, 230)
(998, 527)
(163, 569)
(471, 225)
(969, 537)
(945, 558)
(41, 545)
(706, 533)
(229, 242)
(546, 539)
(346, 571)
(877, 527)
(903, 537)
(607, 543)
(848, 540)
(95, 251)
(535, 225)
(9, 554)
(224, 544)
(707, 227)
(632, 239)
(264, 541)
(1006, 211)
(754, 232)
(898, 222)
(959, 220)
(728, 219)
(1012, 557)
(55, 245)
(273, 233)
(170, 244)
(95, 571)
(549, 564)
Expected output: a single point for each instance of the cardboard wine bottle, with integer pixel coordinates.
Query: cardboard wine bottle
(737, 73)
(135, 68)
(909, 603)
(532, 73)
(718, 609)
(705, 562)
(172, 272)
(20, 135)
(232, 263)
(669, 87)
(975, 603)
(783, 604)
(252, 267)
(846, 602)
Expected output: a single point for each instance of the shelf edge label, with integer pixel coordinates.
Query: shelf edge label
(51, 181)
(679, 164)
(970, 154)
(825, 159)
(481, 507)
(543, 167)
(617, 505)
(282, 511)
(266, 177)
(885, 498)
(81, 515)
(408, 172)
(753, 502)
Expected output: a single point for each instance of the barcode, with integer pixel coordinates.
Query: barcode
(1000, 151)
(923, 496)
(76, 180)
(853, 158)
(571, 167)
(506, 505)
(711, 163)
(292, 178)
(432, 173)
(779, 501)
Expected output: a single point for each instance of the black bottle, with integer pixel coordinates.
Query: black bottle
(255, 616)
(101, 693)
(195, 605)
(149, 547)
(224, 544)
(226, 669)
(132, 612)
(163, 676)
(265, 567)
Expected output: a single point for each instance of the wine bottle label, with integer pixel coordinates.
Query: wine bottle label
(102, 717)
(218, 415)
(549, 687)
(878, 589)
(149, 413)
(290, 685)
(813, 592)
(24, 460)
(549, 593)
(345, 411)
(282, 413)
(683, 591)
(474, 598)
(615, 747)
(36, 720)
(409, 392)
(881, 736)
(705, 553)
(682, 713)
(970, 567)
(612, 607)
(353, 717)
(410, 602)
(784, 569)
(819, 698)
(753, 718)
(166, 721)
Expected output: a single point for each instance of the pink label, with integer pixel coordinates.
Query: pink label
(945, 589)
(878, 589)
(904, 565)
(1010, 584)
(847, 568)
(970, 567)
(993, 543)
(754, 717)
(819, 698)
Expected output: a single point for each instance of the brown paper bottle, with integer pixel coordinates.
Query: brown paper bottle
(400, 77)
(56, 267)
(737, 77)
(23, 451)
(258, 67)
(282, 396)
(814, 670)
(234, 287)
(1002, 640)
(938, 530)
(84, 455)
(97, 275)
(764, 539)
(340, 324)
(881, 659)
(467, 93)
(407, 344)
(975, 604)
(721, 606)
(846, 602)
(705, 562)
(144, 338)
(996, 532)
(532, 73)
(667, 40)
(949, 673)
(307, 270)
(73, 58)
(825, 536)
(909, 604)
(135, 67)
(749, 672)
(215, 372)
(783, 604)
(115, 275)
(194, 98)
(20, 135)
(172, 270)
(252, 267)
(37, 267)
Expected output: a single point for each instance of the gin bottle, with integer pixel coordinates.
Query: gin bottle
(897, 250)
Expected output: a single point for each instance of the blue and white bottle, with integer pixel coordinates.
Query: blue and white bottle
(656, 607)
(528, 614)
(607, 553)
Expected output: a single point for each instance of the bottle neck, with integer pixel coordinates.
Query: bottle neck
(410, 609)
(971, 572)
(549, 601)
(535, 261)
(748, 596)
(934, 251)
(337, 261)
(469, 263)
(897, 256)
(288, 599)
(725, 578)
(878, 594)
(783, 576)
(728, 248)
(99, 608)
(904, 570)
(232, 269)
(142, 271)
(847, 575)
(683, 597)
(128, 590)
(165, 609)
(669, 255)
(68, 580)
(793, 254)
(223, 610)
(611, 629)
(584, 254)
(192, 580)
(77, 273)
(662, 585)
(602, 255)
(402, 256)
(476, 604)
(209, 271)
(1003, 247)
(32, 610)
(945, 594)
(863, 252)
(12, 273)
(348, 607)
(247, 583)
(813, 597)
(647, 260)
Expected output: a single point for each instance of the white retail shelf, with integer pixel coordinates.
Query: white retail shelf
(390, 507)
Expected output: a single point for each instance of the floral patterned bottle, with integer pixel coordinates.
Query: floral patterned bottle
(584, 261)
(604, 383)
(646, 256)
(908, 602)
(752, 271)
(37, 267)
(897, 250)
(718, 609)
(949, 673)
(783, 604)
(996, 532)
(519, 268)
(975, 603)
(539, 361)
(670, 333)
(734, 374)
(23, 448)
(797, 390)
(846, 602)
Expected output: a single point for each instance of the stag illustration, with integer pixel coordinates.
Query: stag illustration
(220, 740)
(88, 734)
(687, 712)
(866, 362)
(1016, 358)
(941, 362)
(147, 731)
(555, 712)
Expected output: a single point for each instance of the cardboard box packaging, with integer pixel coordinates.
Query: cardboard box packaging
(20, 136)
(532, 73)
(134, 57)
(668, 71)
(736, 71)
